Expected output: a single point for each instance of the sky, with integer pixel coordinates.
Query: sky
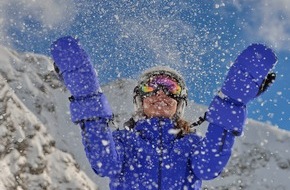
(200, 39)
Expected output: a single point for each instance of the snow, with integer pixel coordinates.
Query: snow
(41, 148)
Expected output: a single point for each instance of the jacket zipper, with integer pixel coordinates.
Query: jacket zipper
(160, 156)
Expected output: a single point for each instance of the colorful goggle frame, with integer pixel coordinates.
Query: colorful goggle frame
(160, 82)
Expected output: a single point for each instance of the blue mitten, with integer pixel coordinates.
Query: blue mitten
(248, 73)
(247, 78)
(75, 69)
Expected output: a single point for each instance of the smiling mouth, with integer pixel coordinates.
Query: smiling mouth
(160, 103)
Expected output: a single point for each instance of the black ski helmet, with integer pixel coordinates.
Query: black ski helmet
(161, 70)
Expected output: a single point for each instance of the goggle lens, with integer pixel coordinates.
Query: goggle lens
(161, 82)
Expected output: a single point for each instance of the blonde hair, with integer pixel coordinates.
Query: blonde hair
(184, 126)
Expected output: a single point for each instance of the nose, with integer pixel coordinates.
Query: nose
(160, 93)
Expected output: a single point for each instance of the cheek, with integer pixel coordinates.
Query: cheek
(147, 110)
(173, 103)
(174, 107)
(146, 103)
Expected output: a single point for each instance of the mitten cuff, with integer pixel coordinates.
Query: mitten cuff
(227, 113)
(90, 107)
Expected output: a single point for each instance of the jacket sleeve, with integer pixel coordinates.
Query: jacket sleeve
(213, 153)
(104, 153)
(227, 112)
(93, 113)
(88, 105)
(226, 119)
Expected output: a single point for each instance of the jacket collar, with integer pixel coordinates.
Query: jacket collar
(156, 129)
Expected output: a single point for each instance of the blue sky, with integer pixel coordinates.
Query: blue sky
(200, 39)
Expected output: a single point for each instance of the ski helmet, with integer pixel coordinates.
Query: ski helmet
(161, 70)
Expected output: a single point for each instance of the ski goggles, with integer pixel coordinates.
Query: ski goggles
(160, 82)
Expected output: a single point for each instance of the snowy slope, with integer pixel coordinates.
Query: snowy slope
(41, 148)
(30, 155)
(260, 160)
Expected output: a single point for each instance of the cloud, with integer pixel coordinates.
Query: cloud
(275, 25)
(34, 16)
(51, 13)
(268, 21)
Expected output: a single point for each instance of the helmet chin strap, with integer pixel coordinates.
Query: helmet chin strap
(180, 107)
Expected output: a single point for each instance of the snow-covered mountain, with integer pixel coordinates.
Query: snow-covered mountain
(32, 155)
(41, 149)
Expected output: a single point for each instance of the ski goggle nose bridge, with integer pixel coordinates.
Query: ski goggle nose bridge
(166, 83)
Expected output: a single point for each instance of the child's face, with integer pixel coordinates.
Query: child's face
(159, 105)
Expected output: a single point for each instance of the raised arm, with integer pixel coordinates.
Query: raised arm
(88, 105)
(247, 78)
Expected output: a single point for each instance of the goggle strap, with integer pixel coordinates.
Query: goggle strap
(199, 121)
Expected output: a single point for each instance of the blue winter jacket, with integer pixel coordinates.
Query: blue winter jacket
(152, 156)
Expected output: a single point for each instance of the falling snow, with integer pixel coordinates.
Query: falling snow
(200, 39)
